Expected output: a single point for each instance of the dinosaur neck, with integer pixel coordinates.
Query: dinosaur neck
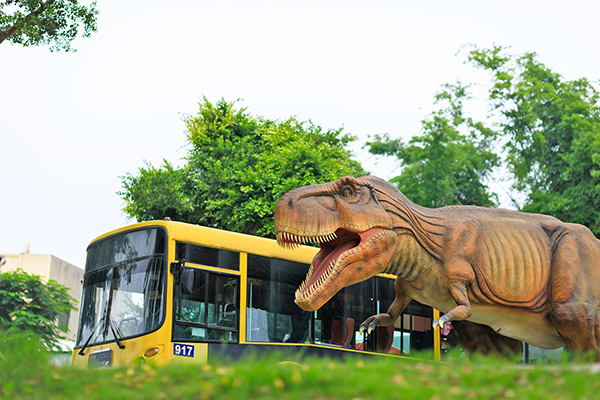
(425, 224)
(410, 259)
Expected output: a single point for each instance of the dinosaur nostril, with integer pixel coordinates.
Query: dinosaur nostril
(291, 204)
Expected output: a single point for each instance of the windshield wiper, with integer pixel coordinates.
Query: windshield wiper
(105, 313)
(82, 351)
(109, 323)
(114, 332)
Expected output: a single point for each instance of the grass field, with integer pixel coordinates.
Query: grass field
(25, 373)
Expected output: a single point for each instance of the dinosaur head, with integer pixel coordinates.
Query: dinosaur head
(353, 230)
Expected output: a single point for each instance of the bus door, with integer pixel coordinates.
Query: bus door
(206, 306)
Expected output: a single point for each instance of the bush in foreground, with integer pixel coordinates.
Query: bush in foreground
(26, 374)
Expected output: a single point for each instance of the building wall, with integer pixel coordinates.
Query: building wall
(33, 263)
(50, 267)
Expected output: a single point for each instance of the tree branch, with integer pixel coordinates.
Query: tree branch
(5, 34)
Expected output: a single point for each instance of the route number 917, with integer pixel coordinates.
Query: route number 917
(183, 350)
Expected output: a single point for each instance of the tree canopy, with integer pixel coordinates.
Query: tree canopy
(448, 163)
(31, 307)
(551, 134)
(237, 168)
(546, 134)
(52, 22)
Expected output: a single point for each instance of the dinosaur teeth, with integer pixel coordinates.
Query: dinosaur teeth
(307, 290)
(305, 283)
(290, 246)
(291, 241)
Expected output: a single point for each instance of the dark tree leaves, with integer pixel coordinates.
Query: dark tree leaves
(237, 168)
(551, 129)
(53, 22)
(32, 307)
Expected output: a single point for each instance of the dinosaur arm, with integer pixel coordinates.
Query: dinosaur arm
(463, 309)
(389, 318)
(460, 246)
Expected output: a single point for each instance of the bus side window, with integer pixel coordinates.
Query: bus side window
(272, 315)
(206, 306)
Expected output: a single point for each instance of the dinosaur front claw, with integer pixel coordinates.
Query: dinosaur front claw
(440, 322)
(371, 323)
(365, 326)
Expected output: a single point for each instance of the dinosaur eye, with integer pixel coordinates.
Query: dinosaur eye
(346, 192)
(349, 190)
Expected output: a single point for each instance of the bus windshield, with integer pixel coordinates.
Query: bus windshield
(124, 298)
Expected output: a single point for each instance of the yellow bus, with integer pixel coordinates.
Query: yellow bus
(163, 291)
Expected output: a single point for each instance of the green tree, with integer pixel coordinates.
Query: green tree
(156, 193)
(31, 307)
(237, 168)
(551, 130)
(448, 163)
(52, 22)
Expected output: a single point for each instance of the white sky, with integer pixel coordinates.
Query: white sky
(72, 124)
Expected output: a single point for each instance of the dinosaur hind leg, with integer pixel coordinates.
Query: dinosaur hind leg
(579, 331)
(574, 308)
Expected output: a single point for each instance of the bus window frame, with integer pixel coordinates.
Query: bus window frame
(176, 291)
(119, 264)
(250, 264)
(191, 246)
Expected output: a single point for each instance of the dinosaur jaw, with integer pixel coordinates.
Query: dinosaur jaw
(345, 258)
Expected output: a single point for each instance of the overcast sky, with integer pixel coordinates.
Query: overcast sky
(72, 123)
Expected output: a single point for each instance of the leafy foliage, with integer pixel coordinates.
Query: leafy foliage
(449, 162)
(31, 307)
(238, 166)
(548, 131)
(53, 22)
(158, 192)
(551, 128)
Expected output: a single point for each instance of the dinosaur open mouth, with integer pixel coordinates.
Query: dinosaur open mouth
(325, 266)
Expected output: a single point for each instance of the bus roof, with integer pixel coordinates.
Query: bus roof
(222, 239)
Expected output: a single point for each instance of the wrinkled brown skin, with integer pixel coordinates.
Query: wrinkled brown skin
(529, 277)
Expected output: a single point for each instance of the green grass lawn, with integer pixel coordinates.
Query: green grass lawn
(25, 373)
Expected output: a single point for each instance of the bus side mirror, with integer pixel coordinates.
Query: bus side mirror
(176, 266)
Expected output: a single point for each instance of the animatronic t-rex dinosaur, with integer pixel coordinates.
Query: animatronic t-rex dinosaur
(529, 277)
